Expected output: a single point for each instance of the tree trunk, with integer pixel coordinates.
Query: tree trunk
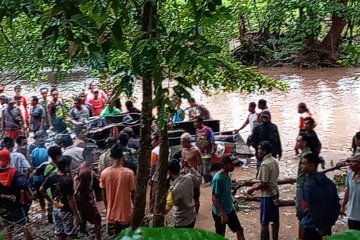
(148, 26)
(332, 40)
(282, 202)
(160, 199)
(144, 153)
(242, 27)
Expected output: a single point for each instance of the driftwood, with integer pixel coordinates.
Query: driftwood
(282, 203)
(251, 182)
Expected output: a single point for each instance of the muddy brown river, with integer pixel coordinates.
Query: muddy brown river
(333, 97)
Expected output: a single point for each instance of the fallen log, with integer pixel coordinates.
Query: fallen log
(282, 202)
(251, 182)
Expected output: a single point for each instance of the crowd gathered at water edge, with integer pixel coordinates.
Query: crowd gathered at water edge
(61, 174)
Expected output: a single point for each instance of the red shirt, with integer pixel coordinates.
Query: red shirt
(98, 105)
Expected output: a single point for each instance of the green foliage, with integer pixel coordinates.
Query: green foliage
(352, 56)
(167, 233)
(346, 235)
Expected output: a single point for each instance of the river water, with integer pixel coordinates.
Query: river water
(332, 95)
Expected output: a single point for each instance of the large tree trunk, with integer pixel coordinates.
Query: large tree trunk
(324, 53)
(160, 199)
(144, 153)
(332, 40)
(148, 27)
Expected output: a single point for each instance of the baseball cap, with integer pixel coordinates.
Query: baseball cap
(4, 157)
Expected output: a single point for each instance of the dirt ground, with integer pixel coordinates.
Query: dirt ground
(249, 212)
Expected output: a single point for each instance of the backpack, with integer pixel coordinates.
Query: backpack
(333, 203)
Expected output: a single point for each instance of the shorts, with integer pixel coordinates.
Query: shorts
(89, 213)
(64, 223)
(197, 194)
(116, 228)
(233, 223)
(269, 212)
(299, 203)
(15, 216)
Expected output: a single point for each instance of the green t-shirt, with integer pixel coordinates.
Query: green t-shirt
(49, 169)
(221, 187)
(107, 113)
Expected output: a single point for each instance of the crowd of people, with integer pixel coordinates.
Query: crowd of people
(65, 181)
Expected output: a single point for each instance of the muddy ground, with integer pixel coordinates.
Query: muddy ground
(248, 213)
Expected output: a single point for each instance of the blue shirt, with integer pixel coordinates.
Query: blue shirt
(354, 197)
(221, 187)
(179, 116)
(39, 156)
(19, 161)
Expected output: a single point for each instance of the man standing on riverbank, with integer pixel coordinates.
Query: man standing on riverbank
(321, 201)
(269, 201)
(302, 143)
(223, 210)
(266, 131)
(314, 144)
(192, 155)
(205, 142)
(37, 113)
(262, 105)
(97, 103)
(65, 212)
(352, 194)
(43, 101)
(79, 114)
(12, 121)
(118, 184)
(184, 213)
(23, 102)
(251, 119)
(55, 112)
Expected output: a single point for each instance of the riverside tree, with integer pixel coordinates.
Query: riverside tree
(148, 40)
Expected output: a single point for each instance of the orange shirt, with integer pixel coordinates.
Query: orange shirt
(118, 184)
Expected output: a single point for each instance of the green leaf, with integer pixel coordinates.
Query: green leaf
(182, 92)
(346, 235)
(117, 30)
(169, 233)
(86, 23)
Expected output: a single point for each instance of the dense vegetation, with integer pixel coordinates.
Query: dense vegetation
(305, 32)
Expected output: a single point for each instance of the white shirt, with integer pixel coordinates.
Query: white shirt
(253, 120)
